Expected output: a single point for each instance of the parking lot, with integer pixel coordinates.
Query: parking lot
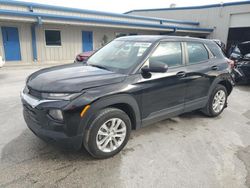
(187, 151)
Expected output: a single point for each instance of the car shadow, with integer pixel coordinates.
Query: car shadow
(196, 114)
(244, 87)
(33, 162)
(27, 147)
(185, 123)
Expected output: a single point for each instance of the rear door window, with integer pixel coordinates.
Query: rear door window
(197, 52)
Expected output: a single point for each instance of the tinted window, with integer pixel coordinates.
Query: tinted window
(119, 56)
(53, 38)
(236, 53)
(168, 53)
(196, 52)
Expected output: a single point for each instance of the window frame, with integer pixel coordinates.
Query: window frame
(52, 46)
(165, 41)
(210, 54)
(120, 34)
(136, 68)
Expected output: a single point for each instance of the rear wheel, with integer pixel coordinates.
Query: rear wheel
(109, 133)
(217, 101)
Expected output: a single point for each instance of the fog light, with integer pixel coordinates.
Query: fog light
(56, 114)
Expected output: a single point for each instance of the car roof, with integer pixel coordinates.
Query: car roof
(156, 38)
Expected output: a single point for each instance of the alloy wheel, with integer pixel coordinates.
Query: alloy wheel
(111, 135)
(219, 101)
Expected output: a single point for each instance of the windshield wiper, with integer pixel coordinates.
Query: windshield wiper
(99, 66)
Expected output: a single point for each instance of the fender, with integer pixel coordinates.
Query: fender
(223, 77)
(105, 102)
(110, 101)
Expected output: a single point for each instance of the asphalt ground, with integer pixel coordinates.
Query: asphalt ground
(186, 151)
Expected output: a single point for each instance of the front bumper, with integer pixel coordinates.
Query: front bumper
(245, 69)
(41, 124)
(242, 72)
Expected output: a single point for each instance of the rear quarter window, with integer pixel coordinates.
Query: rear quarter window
(197, 52)
(215, 49)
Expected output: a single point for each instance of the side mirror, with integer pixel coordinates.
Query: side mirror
(155, 66)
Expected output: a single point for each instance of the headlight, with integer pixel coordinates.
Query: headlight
(60, 96)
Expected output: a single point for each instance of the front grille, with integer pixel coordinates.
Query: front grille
(35, 93)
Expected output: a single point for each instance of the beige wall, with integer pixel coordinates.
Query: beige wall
(217, 18)
(71, 38)
(24, 38)
(71, 31)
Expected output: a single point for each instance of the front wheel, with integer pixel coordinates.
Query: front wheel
(109, 133)
(217, 101)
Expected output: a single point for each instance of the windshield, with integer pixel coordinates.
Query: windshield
(119, 56)
(244, 48)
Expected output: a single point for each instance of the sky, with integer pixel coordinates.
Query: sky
(121, 6)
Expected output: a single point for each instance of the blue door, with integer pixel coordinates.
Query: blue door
(11, 44)
(87, 41)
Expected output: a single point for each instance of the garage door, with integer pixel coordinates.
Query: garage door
(237, 35)
(240, 20)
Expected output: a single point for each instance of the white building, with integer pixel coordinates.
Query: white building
(37, 33)
(230, 21)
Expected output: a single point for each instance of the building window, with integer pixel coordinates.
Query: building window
(53, 37)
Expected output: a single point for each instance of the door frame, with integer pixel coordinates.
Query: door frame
(19, 56)
(85, 42)
(168, 111)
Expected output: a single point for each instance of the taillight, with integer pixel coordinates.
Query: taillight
(230, 63)
(80, 58)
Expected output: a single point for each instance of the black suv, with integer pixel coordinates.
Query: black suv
(241, 57)
(131, 82)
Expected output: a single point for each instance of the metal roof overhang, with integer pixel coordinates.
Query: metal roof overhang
(246, 2)
(76, 20)
(31, 6)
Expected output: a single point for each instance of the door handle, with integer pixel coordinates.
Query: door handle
(181, 74)
(215, 67)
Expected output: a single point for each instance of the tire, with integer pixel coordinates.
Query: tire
(211, 111)
(100, 124)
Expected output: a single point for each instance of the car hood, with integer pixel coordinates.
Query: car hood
(244, 48)
(71, 78)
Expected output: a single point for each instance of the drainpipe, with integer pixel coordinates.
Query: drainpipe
(33, 36)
